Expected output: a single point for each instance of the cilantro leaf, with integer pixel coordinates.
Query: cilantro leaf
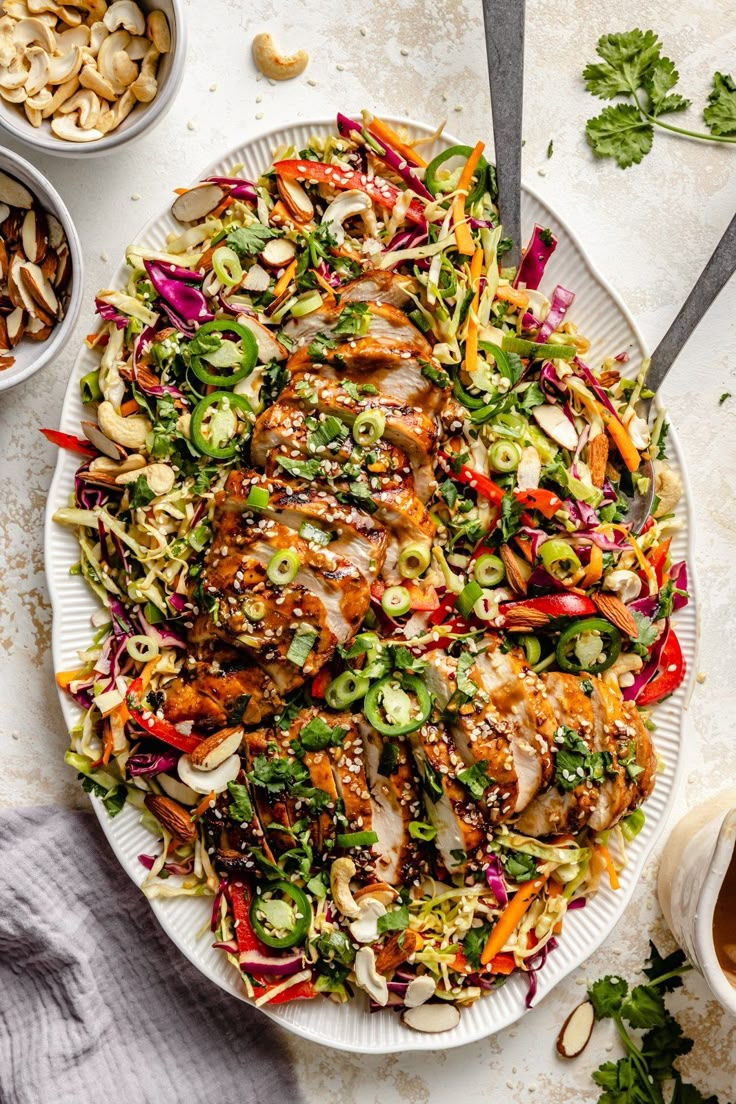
(607, 996)
(647, 633)
(689, 1094)
(241, 806)
(465, 684)
(475, 779)
(246, 240)
(141, 494)
(644, 1007)
(658, 81)
(625, 60)
(474, 943)
(720, 113)
(662, 1045)
(395, 920)
(509, 520)
(354, 319)
(113, 799)
(620, 132)
(304, 469)
(318, 735)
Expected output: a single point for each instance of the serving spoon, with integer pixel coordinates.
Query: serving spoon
(709, 284)
(504, 32)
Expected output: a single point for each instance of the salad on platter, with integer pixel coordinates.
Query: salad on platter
(377, 649)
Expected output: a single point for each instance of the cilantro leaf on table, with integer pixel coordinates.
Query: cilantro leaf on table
(671, 968)
(607, 996)
(644, 1007)
(720, 112)
(632, 65)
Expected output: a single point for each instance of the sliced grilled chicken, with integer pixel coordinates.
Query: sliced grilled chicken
(407, 427)
(235, 840)
(645, 755)
(564, 810)
(389, 368)
(348, 767)
(617, 791)
(354, 535)
(384, 321)
(377, 286)
(327, 596)
(222, 687)
(407, 521)
(271, 808)
(461, 830)
(518, 696)
(481, 736)
(395, 802)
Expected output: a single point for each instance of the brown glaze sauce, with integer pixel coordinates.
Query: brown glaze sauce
(724, 923)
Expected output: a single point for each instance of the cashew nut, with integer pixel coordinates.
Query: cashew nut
(624, 583)
(111, 119)
(130, 432)
(98, 32)
(351, 202)
(118, 467)
(157, 29)
(159, 477)
(125, 13)
(365, 927)
(60, 96)
(667, 488)
(624, 666)
(91, 78)
(368, 978)
(277, 66)
(67, 127)
(341, 871)
(145, 86)
(88, 105)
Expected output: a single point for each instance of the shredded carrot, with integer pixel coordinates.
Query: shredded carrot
(148, 672)
(284, 279)
(605, 856)
(594, 569)
(201, 809)
(223, 206)
(384, 133)
(515, 296)
(463, 236)
(620, 437)
(129, 407)
(511, 916)
(63, 678)
(181, 191)
(323, 283)
(471, 340)
(525, 547)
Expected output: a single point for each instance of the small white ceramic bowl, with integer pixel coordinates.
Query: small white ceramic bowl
(31, 356)
(144, 116)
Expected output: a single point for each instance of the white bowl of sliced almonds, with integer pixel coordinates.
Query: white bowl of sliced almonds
(82, 77)
(40, 271)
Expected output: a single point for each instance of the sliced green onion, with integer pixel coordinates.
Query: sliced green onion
(489, 570)
(258, 498)
(467, 598)
(419, 829)
(537, 351)
(356, 839)
(142, 648)
(504, 456)
(301, 645)
(368, 427)
(532, 648)
(510, 425)
(254, 609)
(283, 566)
(313, 534)
(89, 387)
(345, 689)
(306, 303)
(632, 824)
(227, 266)
(395, 601)
(280, 313)
(413, 560)
(560, 560)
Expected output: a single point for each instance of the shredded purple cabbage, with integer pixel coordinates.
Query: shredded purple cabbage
(108, 312)
(495, 880)
(561, 301)
(180, 299)
(396, 161)
(650, 668)
(534, 261)
(534, 965)
(146, 764)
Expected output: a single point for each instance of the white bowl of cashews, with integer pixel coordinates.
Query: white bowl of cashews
(83, 77)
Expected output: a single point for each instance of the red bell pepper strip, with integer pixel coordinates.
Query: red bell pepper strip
(545, 501)
(320, 683)
(422, 598)
(380, 191)
(69, 442)
(658, 560)
(447, 602)
(554, 605)
(155, 726)
(671, 672)
(502, 963)
(240, 898)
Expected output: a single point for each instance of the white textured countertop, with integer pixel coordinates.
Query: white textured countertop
(649, 230)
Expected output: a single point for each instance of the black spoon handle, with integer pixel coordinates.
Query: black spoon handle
(504, 26)
(711, 281)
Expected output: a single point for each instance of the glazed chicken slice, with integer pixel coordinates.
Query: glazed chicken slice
(481, 736)
(568, 808)
(271, 809)
(391, 369)
(326, 596)
(380, 321)
(616, 794)
(235, 840)
(395, 803)
(519, 697)
(311, 511)
(406, 427)
(220, 686)
(461, 828)
(377, 286)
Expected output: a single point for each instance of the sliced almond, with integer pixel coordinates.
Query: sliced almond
(171, 816)
(295, 198)
(268, 347)
(279, 301)
(34, 236)
(57, 237)
(281, 216)
(576, 1031)
(6, 362)
(613, 609)
(63, 268)
(432, 1018)
(216, 748)
(197, 202)
(278, 253)
(5, 261)
(16, 324)
(49, 265)
(103, 444)
(36, 330)
(19, 294)
(514, 571)
(396, 950)
(256, 279)
(4, 339)
(597, 459)
(11, 227)
(14, 193)
(383, 892)
(40, 289)
(97, 479)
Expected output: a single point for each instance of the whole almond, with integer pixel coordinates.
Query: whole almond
(616, 612)
(172, 816)
(216, 748)
(396, 950)
(514, 574)
(597, 459)
(526, 616)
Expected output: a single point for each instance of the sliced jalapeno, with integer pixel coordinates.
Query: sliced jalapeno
(569, 644)
(244, 357)
(436, 186)
(214, 427)
(281, 916)
(395, 706)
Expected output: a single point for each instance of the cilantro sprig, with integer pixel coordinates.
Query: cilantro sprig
(648, 1063)
(632, 65)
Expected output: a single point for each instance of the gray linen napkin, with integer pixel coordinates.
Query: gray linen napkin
(96, 1005)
